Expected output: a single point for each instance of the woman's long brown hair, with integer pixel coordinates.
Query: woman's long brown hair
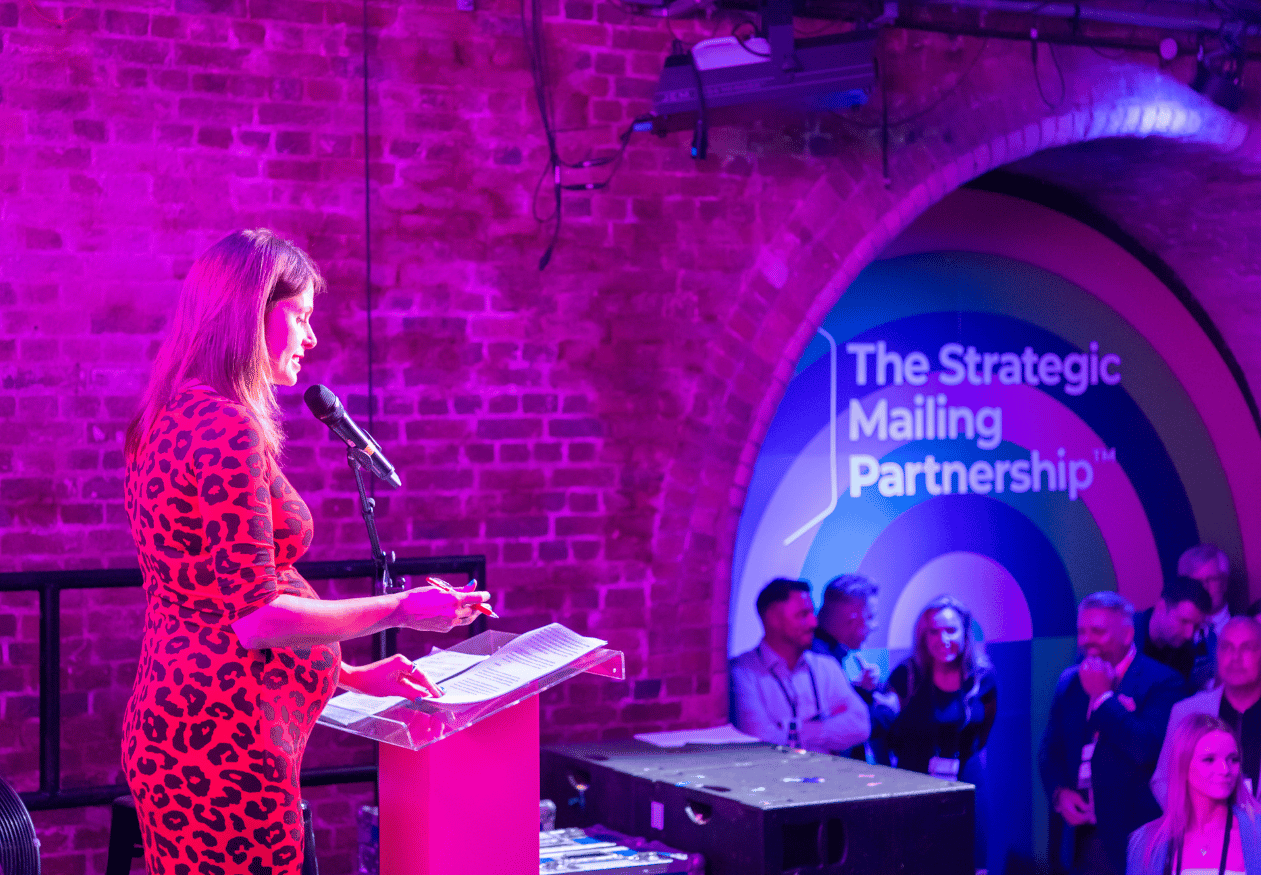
(218, 335)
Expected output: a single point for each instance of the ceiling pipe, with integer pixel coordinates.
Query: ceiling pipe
(1084, 12)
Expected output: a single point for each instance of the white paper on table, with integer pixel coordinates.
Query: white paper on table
(726, 734)
(526, 658)
(352, 707)
(441, 665)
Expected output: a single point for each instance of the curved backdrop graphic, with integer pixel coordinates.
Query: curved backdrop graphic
(957, 401)
(1010, 408)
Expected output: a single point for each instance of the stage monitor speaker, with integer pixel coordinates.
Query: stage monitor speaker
(753, 809)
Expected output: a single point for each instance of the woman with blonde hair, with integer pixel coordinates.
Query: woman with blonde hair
(239, 654)
(1210, 824)
(947, 696)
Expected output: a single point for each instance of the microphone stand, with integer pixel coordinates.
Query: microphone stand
(386, 642)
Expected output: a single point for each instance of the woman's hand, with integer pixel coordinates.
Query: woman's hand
(294, 621)
(434, 609)
(395, 676)
(888, 700)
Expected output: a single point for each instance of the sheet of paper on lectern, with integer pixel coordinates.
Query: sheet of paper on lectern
(725, 734)
(350, 708)
(526, 658)
(438, 666)
(441, 665)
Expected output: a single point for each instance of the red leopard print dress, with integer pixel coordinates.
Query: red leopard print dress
(214, 733)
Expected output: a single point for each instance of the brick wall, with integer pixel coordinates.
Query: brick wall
(588, 428)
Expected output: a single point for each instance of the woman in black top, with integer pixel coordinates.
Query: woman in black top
(947, 698)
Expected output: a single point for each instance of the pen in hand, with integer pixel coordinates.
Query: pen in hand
(442, 584)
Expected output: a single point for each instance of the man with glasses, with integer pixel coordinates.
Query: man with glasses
(1236, 700)
(846, 617)
(1209, 565)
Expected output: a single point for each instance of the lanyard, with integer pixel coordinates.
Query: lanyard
(953, 731)
(1235, 720)
(792, 699)
(1221, 869)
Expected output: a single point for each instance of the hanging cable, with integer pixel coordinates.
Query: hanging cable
(1037, 76)
(367, 221)
(52, 19)
(884, 129)
(367, 292)
(536, 49)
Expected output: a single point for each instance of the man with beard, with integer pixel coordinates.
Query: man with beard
(783, 693)
(1099, 750)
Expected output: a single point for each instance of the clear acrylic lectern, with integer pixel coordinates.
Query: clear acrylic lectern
(459, 786)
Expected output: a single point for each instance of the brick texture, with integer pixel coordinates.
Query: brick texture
(590, 428)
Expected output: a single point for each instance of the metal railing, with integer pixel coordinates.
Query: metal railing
(50, 584)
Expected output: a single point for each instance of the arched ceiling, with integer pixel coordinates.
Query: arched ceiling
(1195, 208)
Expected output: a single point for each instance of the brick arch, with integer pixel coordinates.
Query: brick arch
(804, 267)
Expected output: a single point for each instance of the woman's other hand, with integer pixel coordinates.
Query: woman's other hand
(394, 676)
(888, 700)
(434, 609)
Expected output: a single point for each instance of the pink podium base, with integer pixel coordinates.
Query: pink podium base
(466, 804)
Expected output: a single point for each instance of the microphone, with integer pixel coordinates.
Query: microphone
(328, 410)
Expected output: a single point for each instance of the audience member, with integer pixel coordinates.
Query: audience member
(785, 694)
(1211, 822)
(846, 617)
(947, 695)
(1166, 632)
(1108, 718)
(1209, 565)
(946, 692)
(1236, 700)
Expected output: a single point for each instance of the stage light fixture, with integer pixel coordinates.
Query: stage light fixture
(1218, 74)
(828, 72)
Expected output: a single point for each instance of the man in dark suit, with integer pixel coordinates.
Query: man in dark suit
(1167, 631)
(1099, 750)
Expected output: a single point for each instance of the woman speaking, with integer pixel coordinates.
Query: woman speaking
(239, 654)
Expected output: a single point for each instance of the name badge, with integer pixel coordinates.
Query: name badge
(1083, 771)
(946, 769)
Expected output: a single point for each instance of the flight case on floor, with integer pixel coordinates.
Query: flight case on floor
(753, 809)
